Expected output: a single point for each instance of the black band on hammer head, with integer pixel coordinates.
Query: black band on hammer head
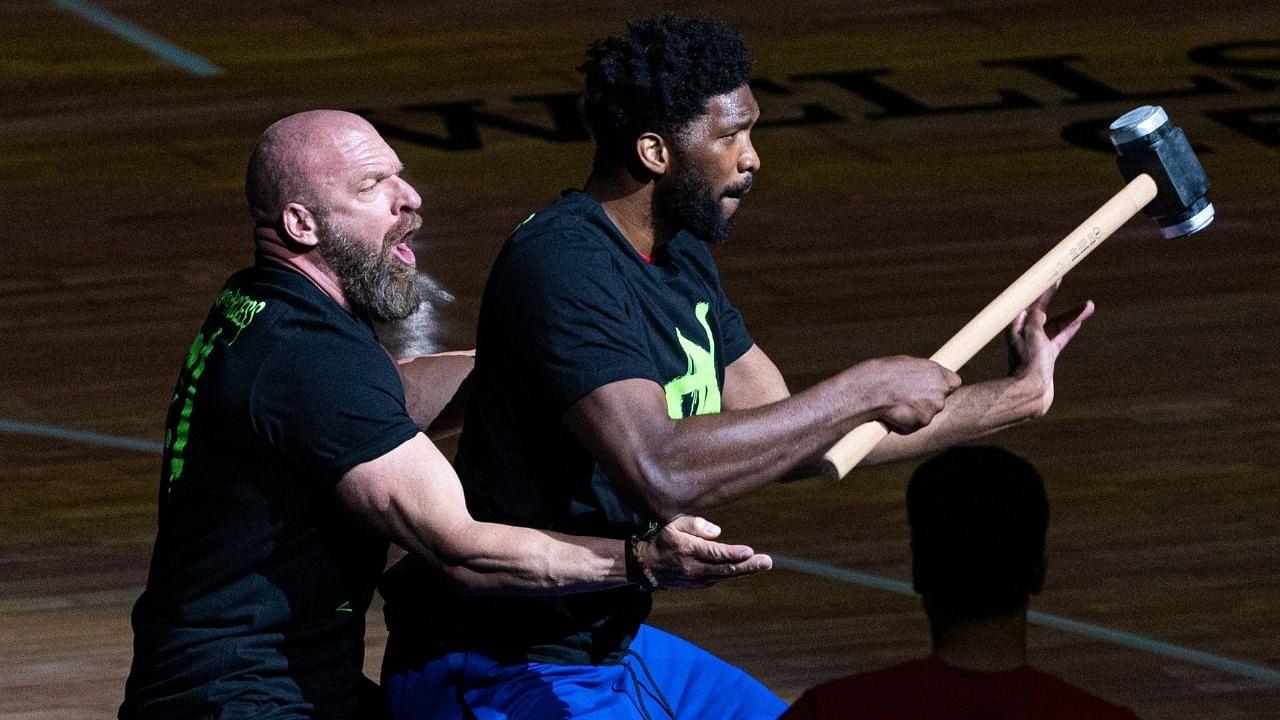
(1148, 143)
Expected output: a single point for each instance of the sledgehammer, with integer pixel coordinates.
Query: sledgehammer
(1165, 180)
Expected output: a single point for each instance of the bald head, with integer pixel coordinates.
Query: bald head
(295, 158)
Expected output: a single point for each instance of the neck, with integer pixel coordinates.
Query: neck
(629, 204)
(270, 249)
(987, 645)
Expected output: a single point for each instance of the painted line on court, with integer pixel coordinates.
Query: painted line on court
(125, 30)
(83, 436)
(830, 572)
(1097, 632)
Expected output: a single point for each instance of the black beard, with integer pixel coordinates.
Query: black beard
(687, 202)
(377, 285)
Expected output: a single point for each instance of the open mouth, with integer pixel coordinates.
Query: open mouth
(402, 249)
(404, 252)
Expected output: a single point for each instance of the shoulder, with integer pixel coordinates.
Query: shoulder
(562, 249)
(864, 688)
(287, 306)
(314, 342)
(557, 237)
(570, 223)
(1086, 705)
(326, 333)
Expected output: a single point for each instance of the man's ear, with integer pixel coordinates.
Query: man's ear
(300, 225)
(653, 153)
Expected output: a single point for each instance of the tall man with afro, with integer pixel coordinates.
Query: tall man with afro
(616, 386)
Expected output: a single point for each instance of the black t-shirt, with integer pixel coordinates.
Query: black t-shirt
(570, 306)
(260, 579)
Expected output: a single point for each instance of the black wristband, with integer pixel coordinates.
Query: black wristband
(638, 571)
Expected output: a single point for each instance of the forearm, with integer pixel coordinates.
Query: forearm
(435, 389)
(412, 496)
(971, 412)
(485, 558)
(709, 460)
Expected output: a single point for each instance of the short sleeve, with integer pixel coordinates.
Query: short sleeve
(737, 341)
(568, 318)
(734, 337)
(328, 401)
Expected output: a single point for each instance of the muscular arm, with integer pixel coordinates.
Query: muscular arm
(435, 390)
(752, 380)
(765, 434)
(688, 465)
(1035, 341)
(412, 496)
(970, 412)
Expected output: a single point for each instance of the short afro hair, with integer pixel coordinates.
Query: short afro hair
(658, 78)
(978, 519)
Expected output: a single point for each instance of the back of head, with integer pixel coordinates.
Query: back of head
(978, 519)
(658, 78)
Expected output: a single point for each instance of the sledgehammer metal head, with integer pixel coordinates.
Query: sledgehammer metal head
(1149, 143)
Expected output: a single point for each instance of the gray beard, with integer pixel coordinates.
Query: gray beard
(431, 329)
(377, 285)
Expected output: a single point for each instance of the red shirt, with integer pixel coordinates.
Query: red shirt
(930, 688)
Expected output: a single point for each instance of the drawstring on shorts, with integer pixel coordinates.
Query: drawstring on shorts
(653, 690)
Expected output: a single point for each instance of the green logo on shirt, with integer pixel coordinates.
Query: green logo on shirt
(191, 372)
(237, 309)
(698, 384)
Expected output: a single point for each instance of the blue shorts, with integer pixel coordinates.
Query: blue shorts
(661, 677)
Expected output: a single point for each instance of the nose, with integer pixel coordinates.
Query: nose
(749, 161)
(408, 196)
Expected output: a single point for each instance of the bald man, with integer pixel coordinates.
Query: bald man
(291, 457)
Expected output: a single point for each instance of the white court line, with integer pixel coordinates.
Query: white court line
(831, 572)
(1057, 622)
(125, 30)
(81, 436)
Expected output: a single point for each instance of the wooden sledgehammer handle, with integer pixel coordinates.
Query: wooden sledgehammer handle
(852, 448)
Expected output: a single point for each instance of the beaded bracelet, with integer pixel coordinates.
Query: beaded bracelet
(638, 570)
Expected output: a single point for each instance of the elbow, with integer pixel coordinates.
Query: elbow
(669, 488)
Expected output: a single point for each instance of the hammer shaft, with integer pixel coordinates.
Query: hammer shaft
(853, 447)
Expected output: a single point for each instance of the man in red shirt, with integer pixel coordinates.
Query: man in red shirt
(978, 518)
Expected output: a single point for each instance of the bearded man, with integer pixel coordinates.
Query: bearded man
(291, 457)
(616, 387)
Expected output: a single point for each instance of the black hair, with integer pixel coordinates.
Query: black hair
(978, 519)
(658, 78)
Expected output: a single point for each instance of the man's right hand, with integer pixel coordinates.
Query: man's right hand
(910, 390)
(684, 554)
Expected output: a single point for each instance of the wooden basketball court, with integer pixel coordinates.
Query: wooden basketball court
(917, 156)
